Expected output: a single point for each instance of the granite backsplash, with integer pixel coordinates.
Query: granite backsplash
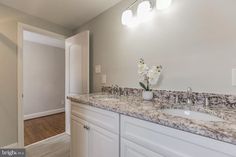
(170, 96)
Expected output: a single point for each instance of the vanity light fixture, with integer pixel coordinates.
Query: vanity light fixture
(163, 4)
(143, 11)
(127, 17)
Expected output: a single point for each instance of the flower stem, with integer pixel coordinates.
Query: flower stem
(148, 85)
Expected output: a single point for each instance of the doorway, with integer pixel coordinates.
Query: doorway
(76, 75)
(41, 86)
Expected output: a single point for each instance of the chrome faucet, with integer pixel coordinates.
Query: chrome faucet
(206, 104)
(176, 99)
(189, 96)
(116, 90)
(112, 89)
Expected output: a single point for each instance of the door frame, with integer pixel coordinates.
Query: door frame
(21, 28)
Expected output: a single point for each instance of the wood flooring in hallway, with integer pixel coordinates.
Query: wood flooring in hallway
(44, 127)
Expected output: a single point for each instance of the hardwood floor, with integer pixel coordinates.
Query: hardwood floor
(58, 146)
(42, 128)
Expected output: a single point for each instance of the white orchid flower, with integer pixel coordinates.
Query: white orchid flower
(148, 76)
(154, 79)
(142, 69)
(154, 75)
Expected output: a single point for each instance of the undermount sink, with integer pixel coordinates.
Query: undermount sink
(110, 99)
(192, 115)
(105, 98)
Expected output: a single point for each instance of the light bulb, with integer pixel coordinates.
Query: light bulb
(163, 4)
(144, 10)
(127, 17)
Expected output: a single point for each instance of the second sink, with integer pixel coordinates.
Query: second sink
(192, 115)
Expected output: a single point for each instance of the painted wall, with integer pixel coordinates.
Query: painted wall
(8, 67)
(44, 78)
(194, 40)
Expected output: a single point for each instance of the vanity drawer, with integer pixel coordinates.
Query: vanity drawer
(171, 142)
(99, 117)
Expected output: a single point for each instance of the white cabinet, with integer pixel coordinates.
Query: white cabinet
(94, 134)
(168, 142)
(100, 133)
(79, 140)
(130, 149)
(102, 143)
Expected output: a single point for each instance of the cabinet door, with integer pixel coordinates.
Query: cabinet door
(79, 138)
(102, 143)
(130, 149)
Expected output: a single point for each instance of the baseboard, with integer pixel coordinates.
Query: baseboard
(14, 145)
(42, 114)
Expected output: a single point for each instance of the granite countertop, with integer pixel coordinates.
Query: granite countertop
(150, 111)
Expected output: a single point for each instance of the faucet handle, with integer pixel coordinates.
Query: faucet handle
(189, 90)
(112, 89)
(176, 99)
(120, 91)
(126, 93)
(189, 96)
(116, 90)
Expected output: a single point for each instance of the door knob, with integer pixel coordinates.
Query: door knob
(86, 127)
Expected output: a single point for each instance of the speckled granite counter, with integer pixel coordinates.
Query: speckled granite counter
(150, 111)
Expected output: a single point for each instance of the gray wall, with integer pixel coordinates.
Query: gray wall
(8, 67)
(44, 78)
(194, 40)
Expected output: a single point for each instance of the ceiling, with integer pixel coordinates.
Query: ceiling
(67, 13)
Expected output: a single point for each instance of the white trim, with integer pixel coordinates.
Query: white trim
(21, 28)
(42, 114)
(14, 145)
(43, 39)
(78, 39)
(50, 138)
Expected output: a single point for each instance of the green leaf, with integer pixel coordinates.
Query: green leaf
(143, 86)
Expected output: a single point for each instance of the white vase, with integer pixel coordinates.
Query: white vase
(147, 95)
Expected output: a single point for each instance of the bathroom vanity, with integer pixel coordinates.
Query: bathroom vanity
(125, 126)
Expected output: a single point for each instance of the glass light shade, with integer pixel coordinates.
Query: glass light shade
(127, 17)
(163, 4)
(144, 10)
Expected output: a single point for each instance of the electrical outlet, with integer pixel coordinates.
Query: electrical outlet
(104, 79)
(98, 69)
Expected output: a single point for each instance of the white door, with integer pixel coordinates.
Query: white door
(102, 143)
(79, 142)
(77, 69)
(130, 149)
